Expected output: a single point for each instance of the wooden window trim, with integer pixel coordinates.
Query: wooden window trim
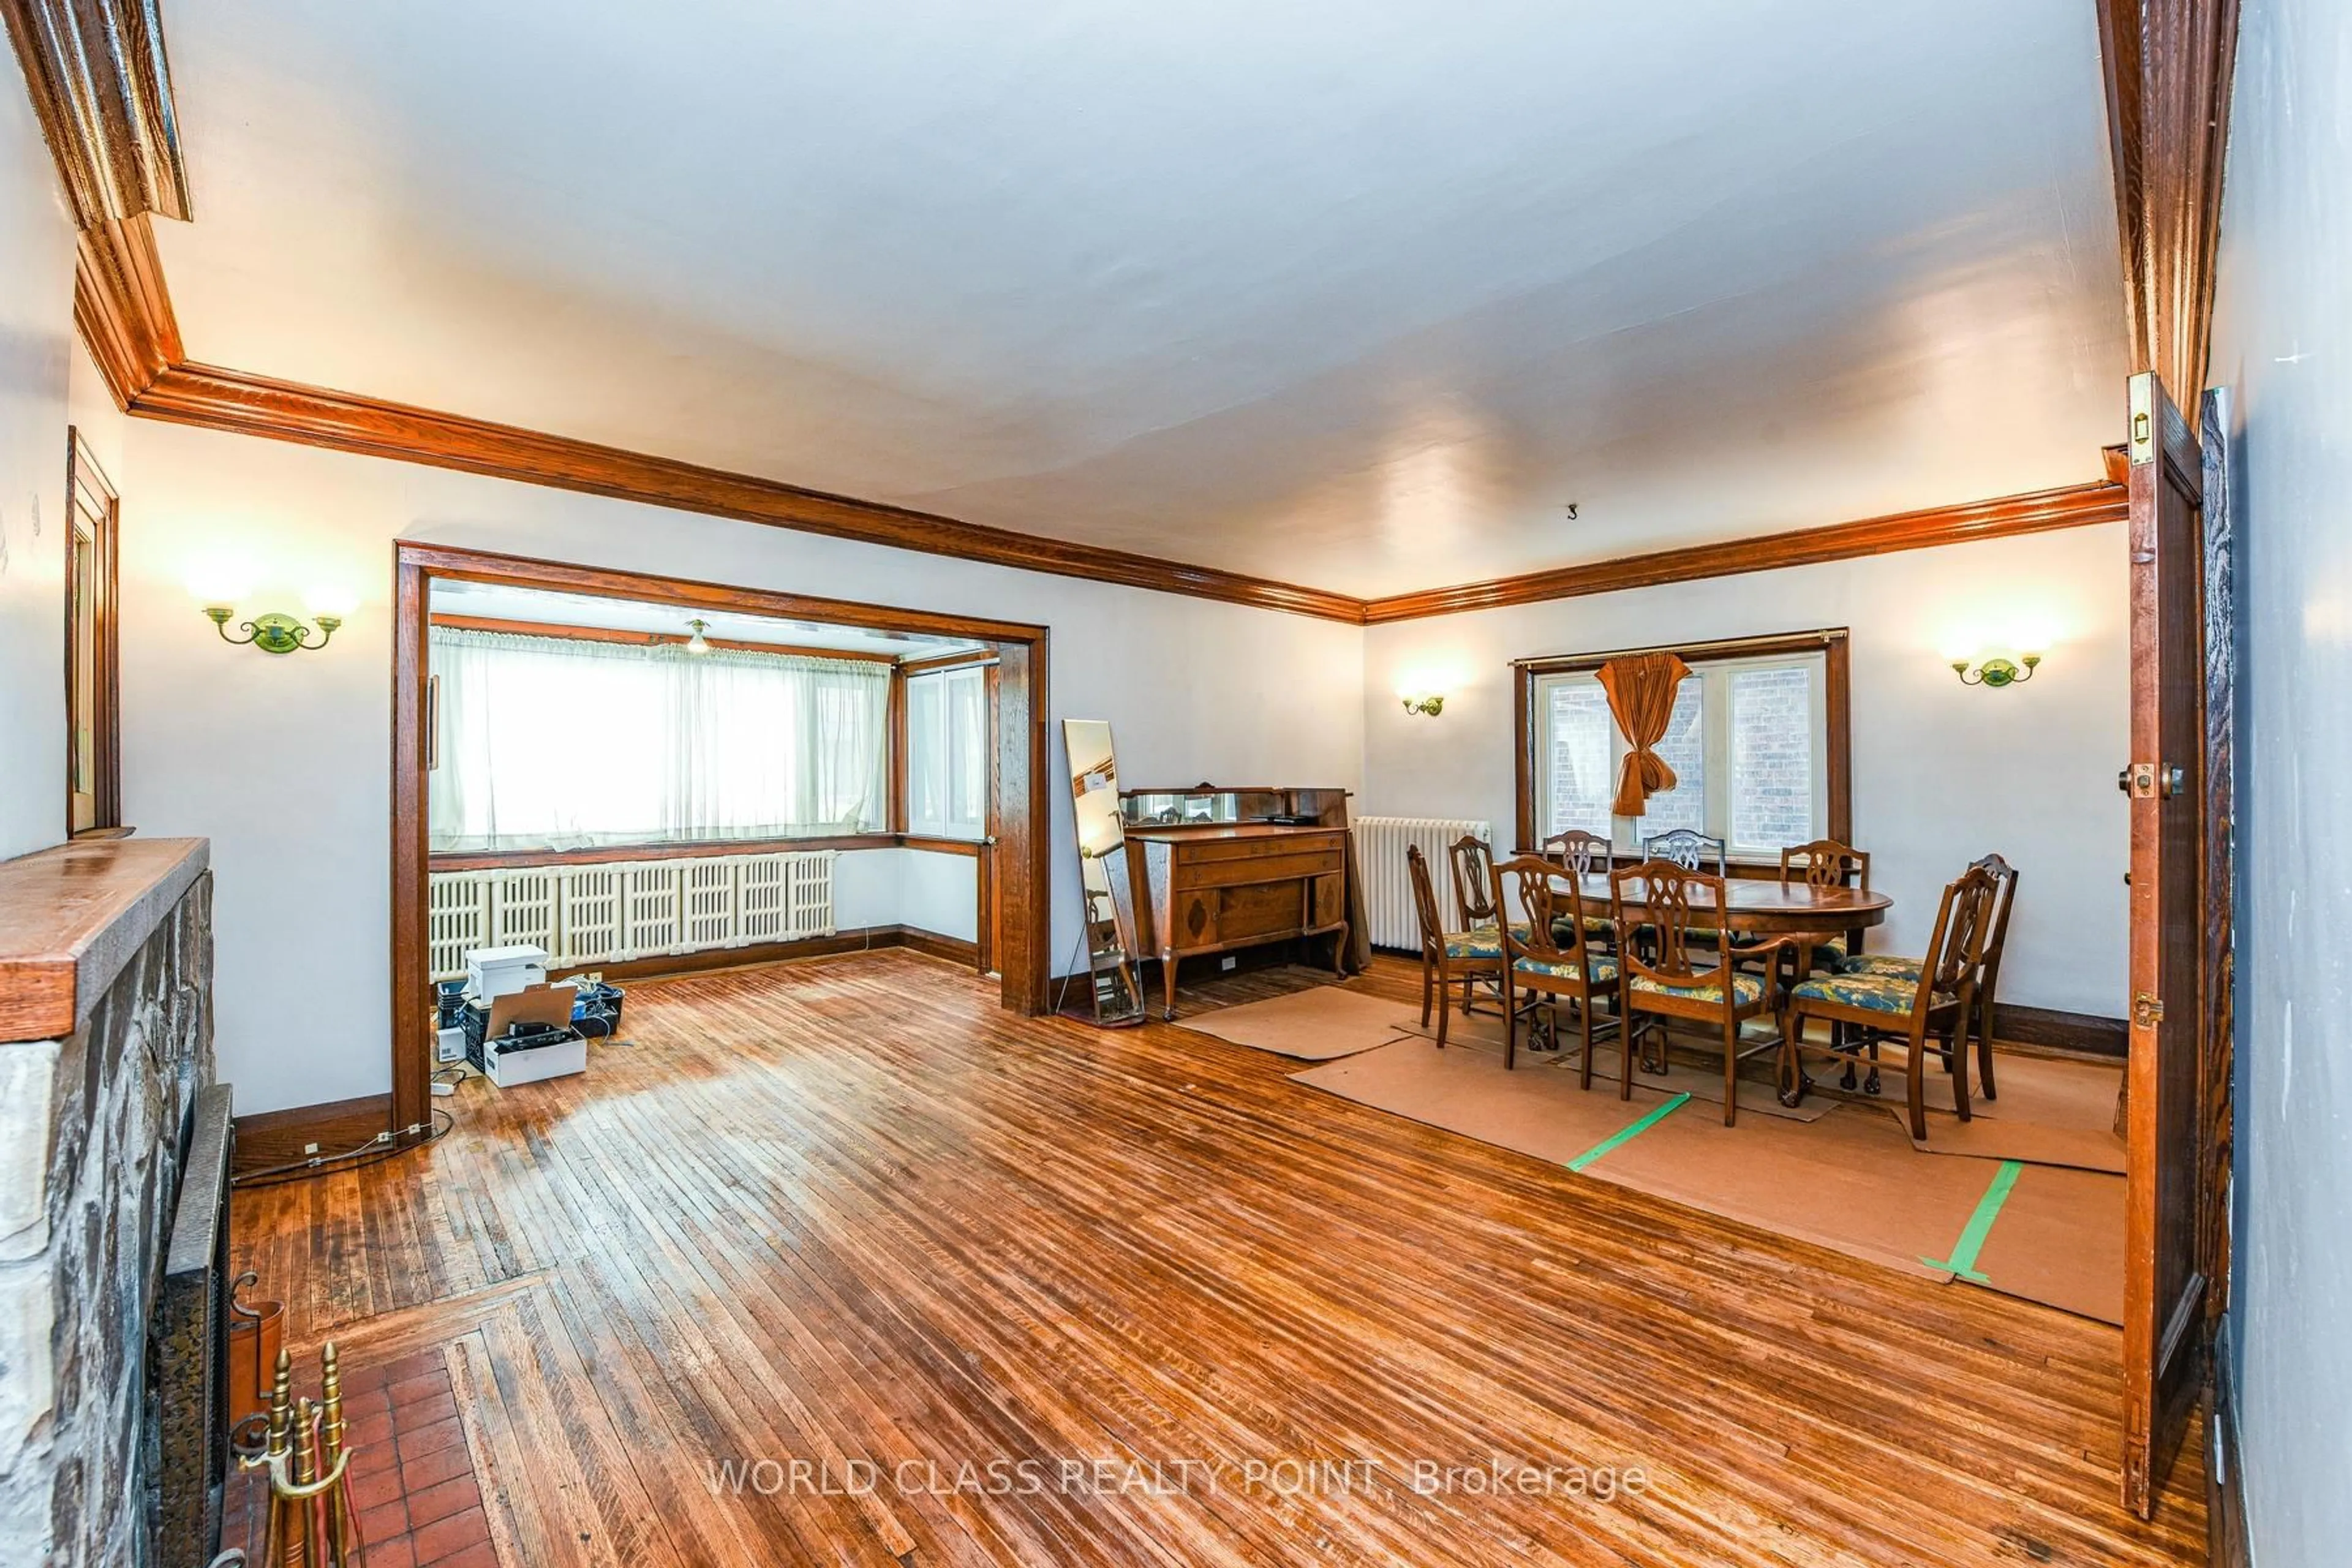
(87, 489)
(1835, 646)
(684, 850)
(651, 639)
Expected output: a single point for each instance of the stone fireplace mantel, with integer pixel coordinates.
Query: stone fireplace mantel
(106, 1039)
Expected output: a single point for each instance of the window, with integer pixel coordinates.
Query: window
(946, 753)
(92, 720)
(566, 744)
(1749, 743)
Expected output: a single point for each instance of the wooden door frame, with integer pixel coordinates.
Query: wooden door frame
(1019, 801)
(85, 478)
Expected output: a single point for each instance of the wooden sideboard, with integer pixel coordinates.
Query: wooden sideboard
(1213, 888)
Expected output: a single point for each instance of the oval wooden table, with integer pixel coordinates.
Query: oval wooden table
(1767, 907)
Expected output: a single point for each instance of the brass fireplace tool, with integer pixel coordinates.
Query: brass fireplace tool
(313, 1522)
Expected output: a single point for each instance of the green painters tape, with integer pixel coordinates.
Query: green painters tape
(1623, 1134)
(1963, 1261)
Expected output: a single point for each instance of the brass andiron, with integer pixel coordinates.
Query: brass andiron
(313, 1521)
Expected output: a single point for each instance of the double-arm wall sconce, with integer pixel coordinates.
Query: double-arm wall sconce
(271, 633)
(1997, 672)
(1429, 705)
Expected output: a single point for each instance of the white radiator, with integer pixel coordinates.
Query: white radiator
(1381, 844)
(614, 910)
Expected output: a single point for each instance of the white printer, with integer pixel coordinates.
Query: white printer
(494, 971)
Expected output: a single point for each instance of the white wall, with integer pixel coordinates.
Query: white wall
(2283, 343)
(921, 887)
(284, 763)
(941, 894)
(1942, 772)
(36, 259)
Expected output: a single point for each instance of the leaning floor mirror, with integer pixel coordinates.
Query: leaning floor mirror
(1102, 870)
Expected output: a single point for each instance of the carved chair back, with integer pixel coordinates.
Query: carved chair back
(1581, 852)
(1473, 881)
(1425, 903)
(1545, 896)
(1675, 903)
(1963, 924)
(1690, 849)
(1825, 863)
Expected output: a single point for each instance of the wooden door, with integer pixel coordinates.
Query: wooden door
(2164, 1285)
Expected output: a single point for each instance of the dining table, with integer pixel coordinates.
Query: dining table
(1763, 906)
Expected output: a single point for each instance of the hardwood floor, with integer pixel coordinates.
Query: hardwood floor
(847, 1211)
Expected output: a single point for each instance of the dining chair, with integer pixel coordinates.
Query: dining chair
(1690, 849)
(1826, 863)
(1981, 1020)
(1550, 969)
(1447, 954)
(1472, 861)
(1693, 851)
(1877, 1007)
(1660, 973)
(1580, 852)
(1583, 853)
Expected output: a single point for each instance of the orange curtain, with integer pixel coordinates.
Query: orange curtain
(1641, 691)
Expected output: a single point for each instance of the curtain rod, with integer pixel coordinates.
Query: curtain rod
(1824, 636)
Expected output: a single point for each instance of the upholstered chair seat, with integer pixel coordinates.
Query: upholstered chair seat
(1486, 942)
(1880, 963)
(1873, 992)
(1747, 990)
(1598, 970)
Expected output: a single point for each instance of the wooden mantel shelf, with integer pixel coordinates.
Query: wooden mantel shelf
(72, 917)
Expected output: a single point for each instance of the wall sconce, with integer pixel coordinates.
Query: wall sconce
(1997, 673)
(1428, 704)
(272, 633)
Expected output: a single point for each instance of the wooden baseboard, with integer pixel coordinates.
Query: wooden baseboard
(2228, 1542)
(273, 1138)
(858, 939)
(954, 949)
(2085, 1034)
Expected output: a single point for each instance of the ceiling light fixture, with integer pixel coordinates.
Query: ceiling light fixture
(697, 645)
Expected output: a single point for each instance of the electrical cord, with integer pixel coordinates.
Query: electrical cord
(381, 1147)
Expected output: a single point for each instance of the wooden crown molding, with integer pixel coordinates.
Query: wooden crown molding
(220, 399)
(2168, 65)
(122, 308)
(102, 90)
(2072, 507)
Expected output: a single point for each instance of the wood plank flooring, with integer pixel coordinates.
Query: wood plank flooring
(846, 1214)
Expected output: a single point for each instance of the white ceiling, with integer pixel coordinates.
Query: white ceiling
(492, 601)
(1358, 295)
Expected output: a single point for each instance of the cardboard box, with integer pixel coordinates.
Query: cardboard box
(510, 1068)
(549, 1048)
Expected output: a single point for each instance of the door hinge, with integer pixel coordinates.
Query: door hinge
(2146, 1010)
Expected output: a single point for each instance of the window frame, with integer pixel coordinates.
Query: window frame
(1833, 644)
(902, 787)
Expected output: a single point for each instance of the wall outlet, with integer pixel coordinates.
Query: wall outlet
(1229, 963)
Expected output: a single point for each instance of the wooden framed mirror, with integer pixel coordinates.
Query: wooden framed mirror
(1109, 893)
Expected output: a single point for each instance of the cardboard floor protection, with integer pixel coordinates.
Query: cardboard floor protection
(1686, 1072)
(1314, 1025)
(1850, 1181)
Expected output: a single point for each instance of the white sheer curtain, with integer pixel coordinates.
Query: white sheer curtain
(560, 744)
